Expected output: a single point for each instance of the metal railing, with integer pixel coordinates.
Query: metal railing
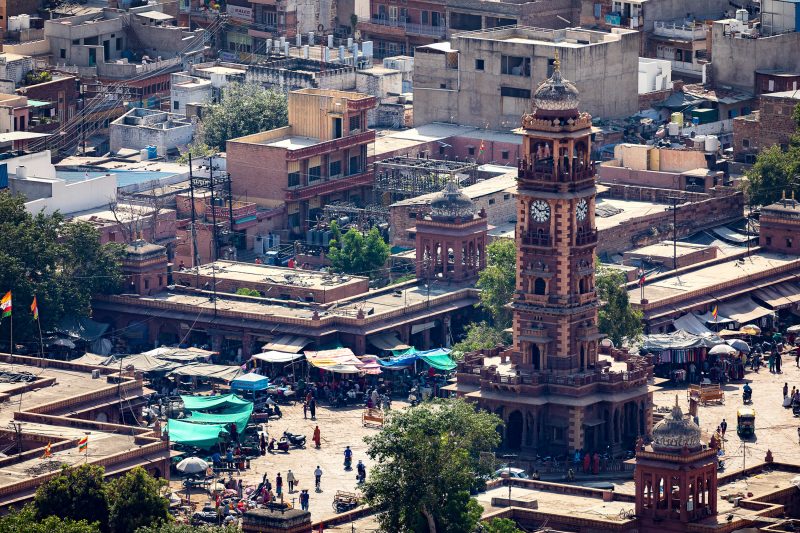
(410, 27)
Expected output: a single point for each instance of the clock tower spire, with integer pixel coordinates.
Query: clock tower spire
(555, 305)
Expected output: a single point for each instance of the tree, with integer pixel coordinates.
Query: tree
(136, 501)
(244, 291)
(356, 253)
(171, 527)
(24, 521)
(616, 318)
(245, 109)
(427, 460)
(479, 336)
(498, 279)
(76, 494)
(776, 171)
(198, 151)
(62, 263)
(499, 525)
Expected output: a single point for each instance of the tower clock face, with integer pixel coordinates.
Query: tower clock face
(540, 211)
(582, 209)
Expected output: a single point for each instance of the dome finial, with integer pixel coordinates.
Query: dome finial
(556, 62)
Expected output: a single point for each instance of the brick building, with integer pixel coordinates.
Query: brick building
(771, 125)
(144, 267)
(61, 93)
(320, 157)
(780, 227)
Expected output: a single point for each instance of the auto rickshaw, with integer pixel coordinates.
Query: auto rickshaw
(746, 422)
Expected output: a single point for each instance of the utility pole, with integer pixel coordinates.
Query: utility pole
(674, 207)
(215, 244)
(195, 254)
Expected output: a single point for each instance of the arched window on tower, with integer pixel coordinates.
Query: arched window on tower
(539, 286)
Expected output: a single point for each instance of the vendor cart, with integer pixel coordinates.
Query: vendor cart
(372, 418)
(345, 501)
(746, 422)
(705, 394)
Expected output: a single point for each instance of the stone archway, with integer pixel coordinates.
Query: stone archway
(514, 426)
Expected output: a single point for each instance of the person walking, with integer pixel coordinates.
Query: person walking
(723, 427)
(278, 484)
(797, 356)
(778, 361)
(291, 480)
(798, 435)
(304, 497)
(305, 409)
(318, 478)
(317, 437)
(312, 406)
(785, 390)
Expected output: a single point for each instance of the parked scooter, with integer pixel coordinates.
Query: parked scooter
(298, 441)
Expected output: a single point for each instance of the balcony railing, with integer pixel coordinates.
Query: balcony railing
(536, 239)
(325, 147)
(678, 30)
(328, 186)
(583, 239)
(410, 27)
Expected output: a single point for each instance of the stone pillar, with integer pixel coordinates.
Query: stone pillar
(216, 342)
(360, 345)
(247, 345)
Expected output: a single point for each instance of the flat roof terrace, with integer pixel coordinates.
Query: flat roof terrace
(274, 275)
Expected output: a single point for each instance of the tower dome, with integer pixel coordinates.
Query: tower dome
(452, 203)
(674, 433)
(556, 96)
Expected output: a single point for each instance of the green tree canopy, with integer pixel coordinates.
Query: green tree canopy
(172, 527)
(481, 335)
(498, 279)
(62, 263)
(776, 171)
(427, 459)
(25, 521)
(75, 494)
(616, 318)
(356, 253)
(136, 501)
(499, 525)
(245, 109)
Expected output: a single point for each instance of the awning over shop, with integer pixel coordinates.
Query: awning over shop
(779, 296)
(402, 360)
(708, 318)
(679, 340)
(148, 364)
(288, 343)
(743, 310)
(387, 341)
(273, 356)
(438, 359)
(85, 329)
(416, 328)
(221, 372)
(239, 416)
(180, 355)
(206, 403)
(204, 436)
(691, 323)
(371, 365)
(340, 360)
(250, 382)
(94, 359)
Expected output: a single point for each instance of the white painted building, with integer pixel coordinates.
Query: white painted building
(654, 75)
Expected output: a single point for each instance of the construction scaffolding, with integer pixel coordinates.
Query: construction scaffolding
(407, 177)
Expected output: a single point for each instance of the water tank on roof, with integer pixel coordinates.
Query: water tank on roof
(13, 24)
(22, 172)
(144, 154)
(673, 129)
(742, 15)
(677, 118)
(24, 21)
(152, 152)
(712, 143)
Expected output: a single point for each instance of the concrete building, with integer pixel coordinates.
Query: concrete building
(139, 128)
(320, 157)
(684, 43)
(654, 75)
(485, 78)
(14, 113)
(144, 41)
(741, 50)
(185, 89)
(771, 125)
(13, 67)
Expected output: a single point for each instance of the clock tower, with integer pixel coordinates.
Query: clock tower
(555, 305)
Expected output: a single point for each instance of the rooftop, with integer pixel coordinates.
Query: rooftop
(665, 249)
(562, 38)
(391, 141)
(478, 190)
(253, 273)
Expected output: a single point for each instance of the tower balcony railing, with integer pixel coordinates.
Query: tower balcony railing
(532, 238)
(584, 239)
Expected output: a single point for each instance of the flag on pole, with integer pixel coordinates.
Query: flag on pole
(5, 305)
(35, 308)
(47, 452)
(83, 444)
(480, 150)
(642, 277)
(715, 313)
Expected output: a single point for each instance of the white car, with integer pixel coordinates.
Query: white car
(517, 473)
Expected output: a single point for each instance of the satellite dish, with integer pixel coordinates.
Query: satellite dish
(357, 35)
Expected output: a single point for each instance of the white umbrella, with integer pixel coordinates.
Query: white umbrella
(750, 329)
(722, 349)
(739, 344)
(192, 465)
(793, 329)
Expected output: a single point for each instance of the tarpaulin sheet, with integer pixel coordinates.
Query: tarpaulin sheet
(387, 341)
(400, 361)
(94, 359)
(288, 343)
(239, 416)
(438, 359)
(180, 355)
(204, 436)
(207, 403)
(744, 310)
(371, 365)
(250, 382)
(679, 340)
(691, 323)
(779, 296)
(82, 328)
(147, 364)
(273, 356)
(340, 360)
(221, 372)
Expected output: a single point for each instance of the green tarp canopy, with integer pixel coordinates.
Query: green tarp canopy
(204, 436)
(439, 362)
(206, 403)
(404, 353)
(239, 416)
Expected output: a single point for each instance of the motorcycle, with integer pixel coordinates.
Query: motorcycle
(272, 410)
(747, 397)
(283, 445)
(298, 441)
(413, 397)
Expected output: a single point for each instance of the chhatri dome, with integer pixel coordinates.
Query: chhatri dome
(556, 96)
(674, 433)
(451, 203)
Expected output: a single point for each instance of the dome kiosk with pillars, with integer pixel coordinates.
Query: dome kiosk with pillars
(451, 241)
(676, 476)
(551, 390)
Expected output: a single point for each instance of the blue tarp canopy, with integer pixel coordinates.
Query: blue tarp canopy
(251, 382)
(400, 361)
